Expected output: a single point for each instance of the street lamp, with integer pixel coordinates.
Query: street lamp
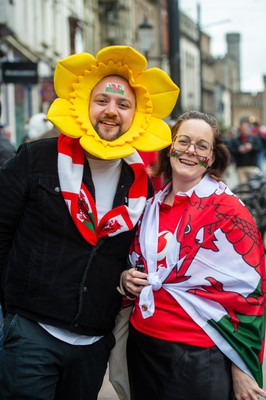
(145, 36)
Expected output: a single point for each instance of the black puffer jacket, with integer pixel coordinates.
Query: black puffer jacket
(49, 273)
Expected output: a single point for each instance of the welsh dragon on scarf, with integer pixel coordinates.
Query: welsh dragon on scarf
(80, 202)
(215, 269)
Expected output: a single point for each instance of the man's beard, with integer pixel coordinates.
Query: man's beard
(112, 138)
(106, 133)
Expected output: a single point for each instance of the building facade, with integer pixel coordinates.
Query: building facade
(35, 32)
(41, 32)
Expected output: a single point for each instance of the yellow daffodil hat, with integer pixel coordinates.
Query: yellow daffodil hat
(156, 95)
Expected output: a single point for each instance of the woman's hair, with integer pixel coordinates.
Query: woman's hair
(221, 153)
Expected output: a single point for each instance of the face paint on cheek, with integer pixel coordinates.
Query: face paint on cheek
(116, 88)
(204, 162)
(174, 152)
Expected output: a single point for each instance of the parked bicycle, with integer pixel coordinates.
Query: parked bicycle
(253, 195)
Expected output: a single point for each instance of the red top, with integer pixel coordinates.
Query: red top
(169, 321)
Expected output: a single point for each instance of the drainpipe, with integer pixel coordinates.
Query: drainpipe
(174, 51)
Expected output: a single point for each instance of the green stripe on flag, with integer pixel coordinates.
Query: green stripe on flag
(246, 340)
(91, 223)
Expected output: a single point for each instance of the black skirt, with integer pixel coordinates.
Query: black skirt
(164, 370)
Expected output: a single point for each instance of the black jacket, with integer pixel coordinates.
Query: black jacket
(49, 273)
(245, 159)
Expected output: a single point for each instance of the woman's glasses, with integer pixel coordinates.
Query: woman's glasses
(202, 148)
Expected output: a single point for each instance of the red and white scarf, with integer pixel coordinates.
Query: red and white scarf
(80, 202)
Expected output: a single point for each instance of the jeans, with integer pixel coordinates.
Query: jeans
(38, 366)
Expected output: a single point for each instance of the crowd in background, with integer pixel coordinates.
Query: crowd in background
(247, 146)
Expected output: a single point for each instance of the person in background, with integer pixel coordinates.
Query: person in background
(257, 131)
(39, 127)
(226, 137)
(150, 161)
(69, 207)
(245, 149)
(7, 149)
(197, 328)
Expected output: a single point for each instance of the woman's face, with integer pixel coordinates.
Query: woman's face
(191, 152)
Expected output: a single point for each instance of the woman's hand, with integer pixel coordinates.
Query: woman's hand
(245, 387)
(133, 281)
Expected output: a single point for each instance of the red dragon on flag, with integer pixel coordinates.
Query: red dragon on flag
(215, 269)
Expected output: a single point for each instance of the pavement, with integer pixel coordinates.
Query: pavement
(107, 391)
(230, 177)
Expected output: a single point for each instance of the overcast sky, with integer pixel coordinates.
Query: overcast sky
(247, 17)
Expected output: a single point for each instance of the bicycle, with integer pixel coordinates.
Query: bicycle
(253, 195)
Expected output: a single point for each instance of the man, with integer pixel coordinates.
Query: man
(257, 130)
(7, 150)
(245, 148)
(38, 127)
(68, 211)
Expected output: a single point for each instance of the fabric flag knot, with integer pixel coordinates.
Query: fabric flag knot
(155, 281)
(146, 299)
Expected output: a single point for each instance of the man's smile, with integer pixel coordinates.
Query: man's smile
(109, 122)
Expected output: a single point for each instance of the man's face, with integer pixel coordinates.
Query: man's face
(244, 128)
(112, 107)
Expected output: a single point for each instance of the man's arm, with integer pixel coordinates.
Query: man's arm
(13, 189)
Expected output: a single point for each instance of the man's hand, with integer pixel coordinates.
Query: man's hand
(245, 148)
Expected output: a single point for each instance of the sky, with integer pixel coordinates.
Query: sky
(247, 17)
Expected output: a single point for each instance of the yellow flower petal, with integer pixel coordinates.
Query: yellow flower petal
(162, 90)
(157, 136)
(67, 71)
(102, 149)
(156, 95)
(61, 115)
(125, 55)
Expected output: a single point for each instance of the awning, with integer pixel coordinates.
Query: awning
(26, 53)
(23, 50)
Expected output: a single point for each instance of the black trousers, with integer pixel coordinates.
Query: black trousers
(162, 370)
(38, 366)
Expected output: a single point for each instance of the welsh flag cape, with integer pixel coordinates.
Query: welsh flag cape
(215, 269)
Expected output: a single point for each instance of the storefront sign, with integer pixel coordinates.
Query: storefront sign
(19, 72)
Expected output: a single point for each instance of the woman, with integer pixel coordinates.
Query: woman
(197, 328)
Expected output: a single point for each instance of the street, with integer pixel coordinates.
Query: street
(107, 391)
